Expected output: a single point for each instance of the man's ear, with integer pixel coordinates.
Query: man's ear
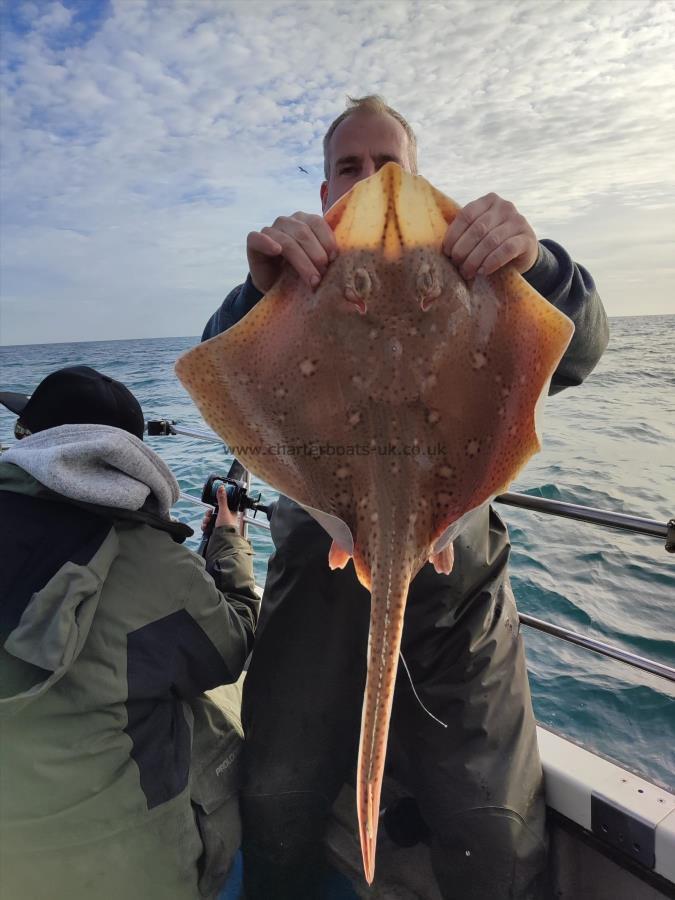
(324, 195)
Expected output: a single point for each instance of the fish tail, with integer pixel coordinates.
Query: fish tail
(388, 598)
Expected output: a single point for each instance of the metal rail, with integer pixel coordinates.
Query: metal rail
(665, 531)
(191, 432)
(195, 500)
(608, 518)
(626, 656)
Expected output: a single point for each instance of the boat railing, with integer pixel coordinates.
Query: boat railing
(664, 531)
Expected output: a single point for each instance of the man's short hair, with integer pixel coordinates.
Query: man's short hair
(373, 103)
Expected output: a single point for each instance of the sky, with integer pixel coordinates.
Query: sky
(140, 142)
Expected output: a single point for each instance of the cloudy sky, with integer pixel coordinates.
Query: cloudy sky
(142, 141)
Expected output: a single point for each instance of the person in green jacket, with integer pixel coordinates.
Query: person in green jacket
(118, 776)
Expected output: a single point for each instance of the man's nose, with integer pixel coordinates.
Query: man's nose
(369, 168)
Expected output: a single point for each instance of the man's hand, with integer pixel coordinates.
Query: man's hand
(225, 515)
(487, 234)
(305, 241)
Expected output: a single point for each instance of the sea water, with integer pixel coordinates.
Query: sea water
(609, 443)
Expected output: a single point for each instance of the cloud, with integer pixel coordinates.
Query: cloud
(142, 141)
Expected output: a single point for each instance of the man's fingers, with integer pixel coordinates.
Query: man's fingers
(486, 235)
(314, 235)
(298, 244)
(305, 235)
(296, 255)
(275, 246)
(491, 243)
(512, 249)
(305, 241)
(323, 232)
(481, 232)
(465, 219)
(260, 242)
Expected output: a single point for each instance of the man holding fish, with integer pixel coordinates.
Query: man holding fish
(478, 781)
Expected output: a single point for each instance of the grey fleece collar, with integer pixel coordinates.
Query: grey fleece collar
(97, 464)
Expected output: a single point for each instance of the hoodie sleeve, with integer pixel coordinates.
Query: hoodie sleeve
(233, 308)
(571, 289)
(219, 617)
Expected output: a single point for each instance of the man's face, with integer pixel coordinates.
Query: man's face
(361, 145)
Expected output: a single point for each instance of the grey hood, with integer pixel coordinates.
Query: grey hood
(97, 464)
